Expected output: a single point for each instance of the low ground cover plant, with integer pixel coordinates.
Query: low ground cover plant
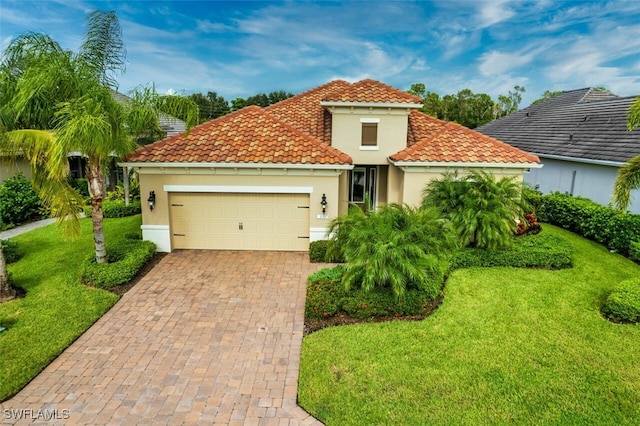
(540, 250)
(11, 251)
(124, 260)
(623, 304)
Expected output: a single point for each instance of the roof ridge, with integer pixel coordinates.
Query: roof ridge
(307, 93)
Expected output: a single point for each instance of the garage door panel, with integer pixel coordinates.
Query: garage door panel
(212, 221)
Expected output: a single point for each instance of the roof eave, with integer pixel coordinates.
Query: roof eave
(409, 105)
(459, 164)
(237, 165)
(581, 160)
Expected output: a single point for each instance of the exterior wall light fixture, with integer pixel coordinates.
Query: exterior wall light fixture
(323, 203)
(152, 200)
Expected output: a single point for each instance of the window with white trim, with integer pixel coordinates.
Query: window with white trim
(369, 131)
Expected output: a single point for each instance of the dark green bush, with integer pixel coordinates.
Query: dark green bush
(634, 251)
(133, 236)
(326, 296)
(528, 251)
(124, 260)
(325, 293)
(80, 185)
(318, 250)
(111, 209)
(532, 198)
(623, 304)
(591, 220)
(382, 302)
(19, 202)
(11, 251)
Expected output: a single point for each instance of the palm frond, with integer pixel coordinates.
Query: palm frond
(103, 50)
(628, 179)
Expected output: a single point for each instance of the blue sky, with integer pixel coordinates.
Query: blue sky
(240, 48)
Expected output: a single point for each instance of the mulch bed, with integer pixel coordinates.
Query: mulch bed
(342, 318)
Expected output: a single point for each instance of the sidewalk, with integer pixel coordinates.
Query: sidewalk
(18, 230)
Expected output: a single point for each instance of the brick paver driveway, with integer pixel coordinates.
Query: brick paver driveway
(205, 337)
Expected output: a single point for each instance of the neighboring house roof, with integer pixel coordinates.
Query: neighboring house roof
(436, 141)
(171, 125)
(298, 130)
(250, 135)
(586, 124)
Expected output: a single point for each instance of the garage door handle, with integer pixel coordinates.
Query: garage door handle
(303, 207)
(178, 235)
(304, 237)
(177, 205)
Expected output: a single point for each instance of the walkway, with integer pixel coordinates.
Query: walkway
(206, 337)
(10, 233)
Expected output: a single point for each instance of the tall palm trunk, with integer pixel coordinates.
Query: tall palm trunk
(5, 288)
(95, 178)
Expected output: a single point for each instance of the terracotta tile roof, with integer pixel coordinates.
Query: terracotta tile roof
(433, 140)
(305, 113)
(250, 135)
(372, 91)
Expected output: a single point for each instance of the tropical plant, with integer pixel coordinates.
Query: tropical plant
(484, 212)
(397, 247)
(628, 177)
(55, 101)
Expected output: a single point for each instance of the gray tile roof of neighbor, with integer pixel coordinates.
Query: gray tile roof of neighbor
(589, 124)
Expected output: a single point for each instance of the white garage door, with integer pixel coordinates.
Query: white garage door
(237, 221)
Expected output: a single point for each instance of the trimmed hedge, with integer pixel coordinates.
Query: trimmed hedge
(111, 209)
(634, 251)
(19, 202)
(124, 260)
(591, 220)
(326, 297)
(623, 304)
(319, 252)
(528, 251)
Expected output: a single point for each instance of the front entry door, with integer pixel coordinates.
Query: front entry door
(363, 184)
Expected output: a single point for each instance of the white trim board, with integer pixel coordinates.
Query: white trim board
(240, 189)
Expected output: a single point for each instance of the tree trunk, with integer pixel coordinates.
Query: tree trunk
(125, 183)
(95, 178)
(6, 292)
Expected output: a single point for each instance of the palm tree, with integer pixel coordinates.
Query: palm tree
(54, 102)
(396, 247)
(628, 177)
(483, 211)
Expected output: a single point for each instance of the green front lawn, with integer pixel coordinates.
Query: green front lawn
(57, 308)
(507, 346)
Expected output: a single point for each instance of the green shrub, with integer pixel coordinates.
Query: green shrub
(133, 236)
(11, 251)
(124, 260)
(528, 251)
(634, 251)
(532, 198)
(80, 185)
(483, 211)
(383, 302)
(326, 296)
(623, 304)
(19, 202)
(325, 293)
(624, 228)
(318, 251)
(111, 209)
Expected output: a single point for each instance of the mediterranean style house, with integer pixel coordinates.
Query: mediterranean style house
(272, 178)
(581, 137)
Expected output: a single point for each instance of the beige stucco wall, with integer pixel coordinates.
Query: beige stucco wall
(154, 180)
(416, 179)
(346, 132)
(12, 166)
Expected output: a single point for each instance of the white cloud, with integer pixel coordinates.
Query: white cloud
(492, 12)
(494, 62)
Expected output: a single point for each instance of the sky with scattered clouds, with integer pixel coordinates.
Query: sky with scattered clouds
(240, 48)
